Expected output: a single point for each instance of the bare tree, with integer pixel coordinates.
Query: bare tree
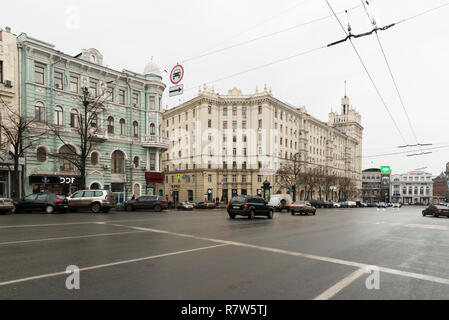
(88, 133)
(21, 134)
(289, 172)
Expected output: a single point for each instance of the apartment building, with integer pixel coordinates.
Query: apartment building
(9, 94)
(411, 187)
(128, 146)
(226, 145)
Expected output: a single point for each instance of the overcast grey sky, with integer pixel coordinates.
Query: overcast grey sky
(129, 33)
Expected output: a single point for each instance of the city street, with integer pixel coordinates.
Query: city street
(202, 254)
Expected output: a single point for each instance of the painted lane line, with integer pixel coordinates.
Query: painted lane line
(336, 288)
(48, 275)
(304, 255)
(71, 223)
(427, 226)
(71, 237)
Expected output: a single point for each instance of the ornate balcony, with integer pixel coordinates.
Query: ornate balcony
(98, 134)
(155, 142)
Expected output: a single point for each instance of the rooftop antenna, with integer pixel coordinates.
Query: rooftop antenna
(345, 88)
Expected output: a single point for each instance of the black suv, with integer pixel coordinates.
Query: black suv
(44, 202)
(249, 206)
(157, 203)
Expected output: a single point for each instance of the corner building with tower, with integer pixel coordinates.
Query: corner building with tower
(225, 145)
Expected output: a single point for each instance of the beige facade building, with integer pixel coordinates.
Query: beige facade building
(9, 94)
(223, 145)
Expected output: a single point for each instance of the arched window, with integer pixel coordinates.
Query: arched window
(39, 112)
(135, 129)
(136, 190)
(122, 127)
(41, 154)
(95, 186)
(136, 162)
(152, 129)
(94, 158)
(58, 116)
(111, 125)
(67, 155)
(118, 162)
(74, 118)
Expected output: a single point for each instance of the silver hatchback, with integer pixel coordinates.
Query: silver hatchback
(93, 200)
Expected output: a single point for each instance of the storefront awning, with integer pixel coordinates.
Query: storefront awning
(154, 177)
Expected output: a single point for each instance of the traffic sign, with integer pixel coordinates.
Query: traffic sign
(176, 74)
(176, 90)
(176, 187)
(293, 182)
(178, 176)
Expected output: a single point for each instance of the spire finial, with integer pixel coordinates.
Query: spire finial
(345, 88)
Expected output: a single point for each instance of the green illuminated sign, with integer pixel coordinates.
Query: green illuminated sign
(385, 169)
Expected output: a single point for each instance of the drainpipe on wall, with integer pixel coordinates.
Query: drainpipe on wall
(132, 141)
(51, 71)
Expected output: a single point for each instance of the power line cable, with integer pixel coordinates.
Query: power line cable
(367, 72)
(261, 37)
(373, 23)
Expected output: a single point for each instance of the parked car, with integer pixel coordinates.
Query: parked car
(360, 204)
(302, 207)
(381, 205)
(343, 204)
(327, 204)
(93, 200)
(351, 204)
(336, 204)
(397, 205)
(436, 211)
(185, 206)
(205, 205)
(280, 201)
(249, 206)
(43, 202)
(156, 203)
(7, 205)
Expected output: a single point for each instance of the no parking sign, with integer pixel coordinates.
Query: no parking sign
(176, 74)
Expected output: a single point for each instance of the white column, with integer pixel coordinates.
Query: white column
(148, 159)
(157, 161)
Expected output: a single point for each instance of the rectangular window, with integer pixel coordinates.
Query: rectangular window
(153, 104)
(243, 124)
(74, 83)
(225, 124)
(110, 94)
(243, 178)
(260, 109)
(39, 74)
(234, 124)
(121, 96)
(59, 83)
(244, 151)
(209, 123)
(234, 178)
(260, 123)
(152, 161)
(135, 98)
(209, 178)
(234, 110)
(93, 88)
(244, 111)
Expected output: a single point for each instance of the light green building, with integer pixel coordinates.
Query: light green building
(127, 156)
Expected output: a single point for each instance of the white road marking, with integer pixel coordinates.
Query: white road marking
(71, 237)
(70, 223)
(299, 254)
(427, 226)
(48, 275)
(336, 288)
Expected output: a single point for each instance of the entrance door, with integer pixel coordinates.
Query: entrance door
(224, 195)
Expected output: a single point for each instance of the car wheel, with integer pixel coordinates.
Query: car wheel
(270, 214)
(423, 214)
(435, 215)
(13, 210)
(314, 212)
(49, 209)
(129, 208)
(157, 208)
(232, 216)
(251, 215)
(95, 207)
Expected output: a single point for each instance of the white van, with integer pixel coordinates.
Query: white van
(280, 202)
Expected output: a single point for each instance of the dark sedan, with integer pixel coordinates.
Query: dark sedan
(156, 203)
(436, 211)
(42, 202)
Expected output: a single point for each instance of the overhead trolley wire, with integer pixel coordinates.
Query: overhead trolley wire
(367, 72)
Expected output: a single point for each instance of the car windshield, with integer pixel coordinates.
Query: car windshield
(238, 199)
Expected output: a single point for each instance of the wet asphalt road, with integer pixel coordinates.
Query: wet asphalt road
(203, 254)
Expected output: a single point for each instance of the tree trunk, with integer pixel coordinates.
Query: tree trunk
(15, 180)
